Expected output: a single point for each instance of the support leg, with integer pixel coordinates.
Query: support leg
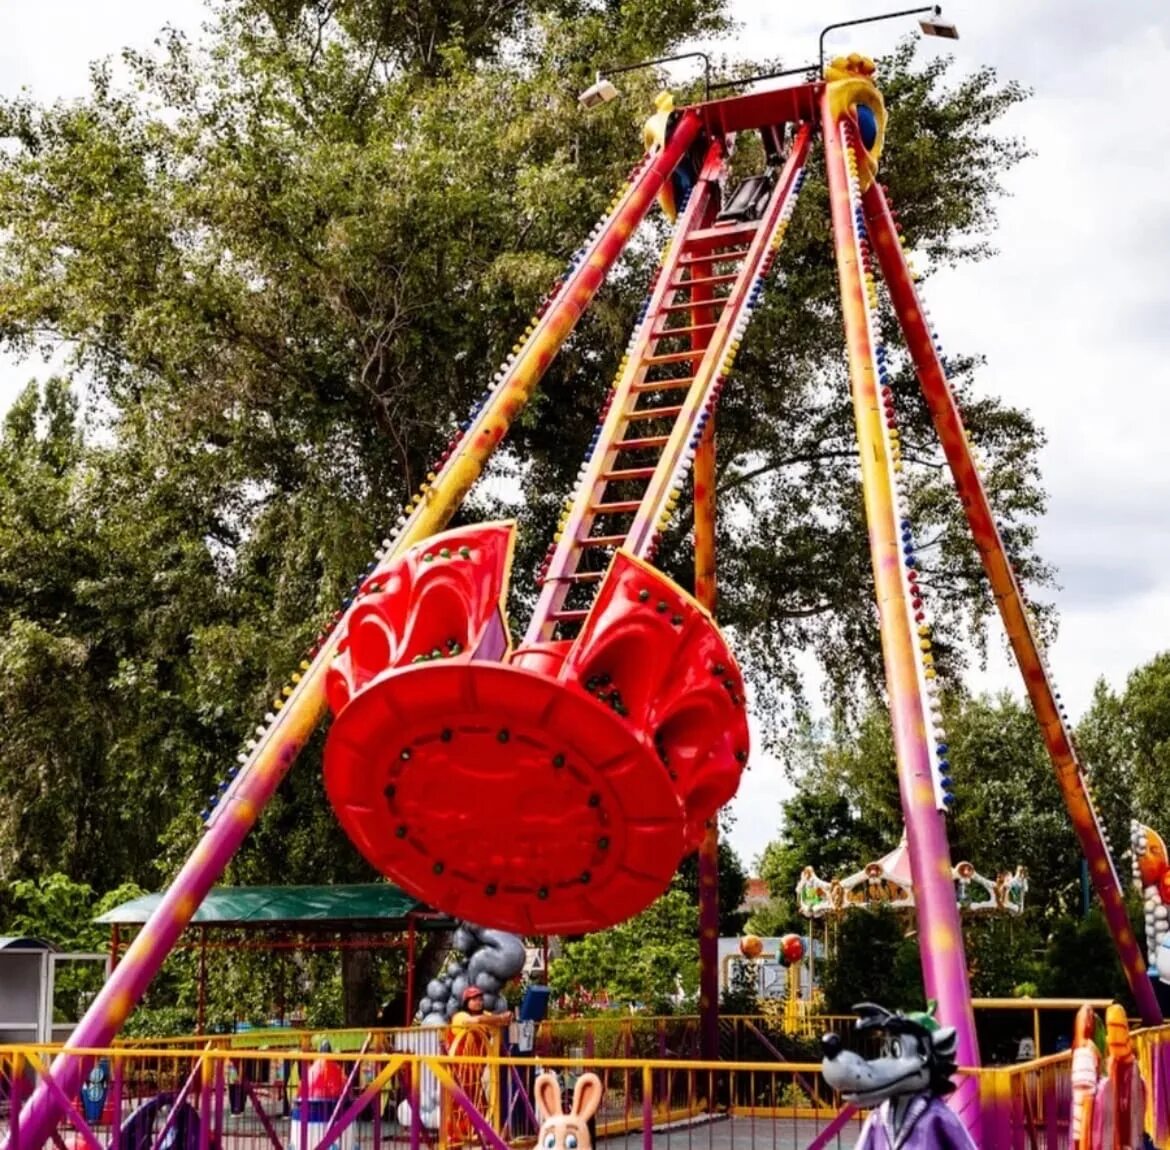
(709, 850)
(944, 967)
(704, 500)
(1008, 597)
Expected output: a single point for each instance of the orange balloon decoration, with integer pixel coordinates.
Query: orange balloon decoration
(751, 946)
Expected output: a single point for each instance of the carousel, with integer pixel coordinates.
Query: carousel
(887, 882)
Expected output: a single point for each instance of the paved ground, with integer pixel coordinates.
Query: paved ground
(737, 1134)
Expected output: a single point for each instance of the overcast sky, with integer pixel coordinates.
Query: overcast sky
(1071, 314)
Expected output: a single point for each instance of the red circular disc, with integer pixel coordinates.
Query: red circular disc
(505, 798)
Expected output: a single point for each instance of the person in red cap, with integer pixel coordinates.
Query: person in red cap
(470, 1037)
(473, 1013)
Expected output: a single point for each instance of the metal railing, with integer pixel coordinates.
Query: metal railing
(243, 1100)
(220, 1098)
(1004, 1026)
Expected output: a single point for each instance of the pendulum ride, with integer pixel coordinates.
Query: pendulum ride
(551, 784)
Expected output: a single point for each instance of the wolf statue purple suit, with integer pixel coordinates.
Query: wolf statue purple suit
(905, 1084)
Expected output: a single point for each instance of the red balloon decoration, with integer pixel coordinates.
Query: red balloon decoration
(791, 949)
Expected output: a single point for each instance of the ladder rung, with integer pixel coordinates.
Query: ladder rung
(648, 413)
(620, 507)
(699, 281)
(628, 474)
(715, 256)
(687, 356)
(692, 305)
(639, 444)
(670, 332)
(654, 385)
(704, 239)
(602, 541)
(569, 616)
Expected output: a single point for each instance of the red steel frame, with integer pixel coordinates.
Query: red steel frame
(281, 740)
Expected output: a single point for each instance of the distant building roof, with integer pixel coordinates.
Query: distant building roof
(756, 895)
(378, 904)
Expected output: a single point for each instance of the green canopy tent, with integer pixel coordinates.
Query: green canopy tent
(358, 916)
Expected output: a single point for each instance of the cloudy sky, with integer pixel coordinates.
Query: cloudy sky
(1068, 313)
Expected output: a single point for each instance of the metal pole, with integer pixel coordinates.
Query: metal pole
(410, 956)
(200, 1016)
(608, 71)
(935, 9)
(295, 722)
(944, 967)
(1008, 596)
(703, 480)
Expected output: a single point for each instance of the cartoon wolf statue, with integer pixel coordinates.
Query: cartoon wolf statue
(904, 1086)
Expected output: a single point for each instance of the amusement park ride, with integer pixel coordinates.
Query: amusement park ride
(602, 743)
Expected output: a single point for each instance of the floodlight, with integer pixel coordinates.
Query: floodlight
(600, 92)
(931, 23)
(935, 26)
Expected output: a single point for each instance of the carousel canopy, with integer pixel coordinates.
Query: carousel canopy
(887, 882)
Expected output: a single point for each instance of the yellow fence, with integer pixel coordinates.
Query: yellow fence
(236, 1099)
(1011, 1030)
(218, 1097)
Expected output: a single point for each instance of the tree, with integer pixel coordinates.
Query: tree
(733, 881)
(61, 912)
(874, 960)
(1105, 742)
(1008, 812)
(846, 810)
(1008, 807)
(283, 261)
(1147, 713)
(648, 959)
(1001, 955)
(1081, 961)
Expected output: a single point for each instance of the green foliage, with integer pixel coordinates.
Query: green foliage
(733, 881)
(243, 253)
(1008, 812)
(648, 960)
(60, 911)
(1002, 956)
(1081, 961)
(848, 811)
(1125, 738)
(776, 917)
(740, 996)
(875, 960)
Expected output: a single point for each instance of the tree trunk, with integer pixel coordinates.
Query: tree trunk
(359, 988)
(431, 952)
